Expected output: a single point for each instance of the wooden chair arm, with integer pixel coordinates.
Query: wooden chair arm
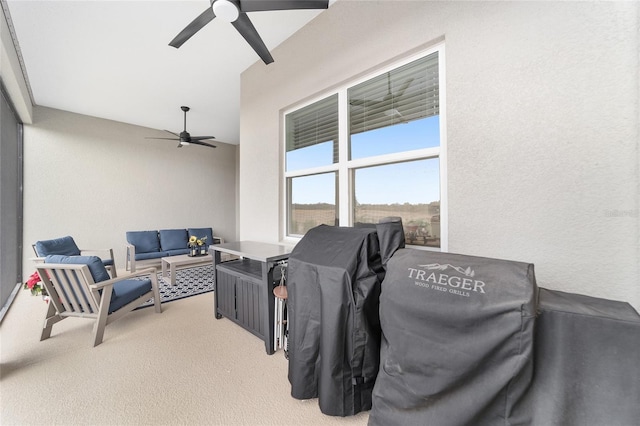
(106, 253)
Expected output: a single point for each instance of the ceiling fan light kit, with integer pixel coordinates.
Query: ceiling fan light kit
(235, 12)
(225, 10)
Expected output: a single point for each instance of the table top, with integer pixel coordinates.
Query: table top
(185, 258)
(265, 252)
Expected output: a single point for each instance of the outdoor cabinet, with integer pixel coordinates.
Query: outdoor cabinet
(239, 296)
(244, 287)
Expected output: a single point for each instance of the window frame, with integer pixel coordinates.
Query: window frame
(345, 167)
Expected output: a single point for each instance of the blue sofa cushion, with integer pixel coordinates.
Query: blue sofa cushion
(177, 252)
(64, 246)
(152, 255)
(126, 291)
(97, 269)
(171, 239)
(202, 232)
(145, 241)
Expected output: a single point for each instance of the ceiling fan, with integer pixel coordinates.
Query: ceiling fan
(235, 12)
(388, 100)
(184, 137)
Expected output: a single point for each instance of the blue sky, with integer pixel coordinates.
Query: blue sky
(413, 182)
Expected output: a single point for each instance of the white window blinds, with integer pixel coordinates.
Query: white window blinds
(313, 124)
(404, 94)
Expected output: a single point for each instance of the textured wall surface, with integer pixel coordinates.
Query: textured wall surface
(95, 179)
(541, 126)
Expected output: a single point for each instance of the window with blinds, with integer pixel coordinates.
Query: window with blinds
(407, 96)
(392, 137)
(312, 135)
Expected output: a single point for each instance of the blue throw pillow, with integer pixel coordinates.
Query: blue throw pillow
(202, 232)
(145, 241)
(64, 245)
(172, 239)
(97, 269)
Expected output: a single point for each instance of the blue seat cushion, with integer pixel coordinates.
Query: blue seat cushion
(152, 255)
(96, 268)
(127, 291)
(64, 245)
(144, 241)
(171, 239)
(202, 232)
(177, 252)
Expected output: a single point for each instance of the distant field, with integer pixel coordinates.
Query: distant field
(421, 222)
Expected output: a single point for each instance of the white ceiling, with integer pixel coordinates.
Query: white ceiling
(111, 59)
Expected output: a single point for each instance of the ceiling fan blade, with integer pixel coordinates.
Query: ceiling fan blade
(201, 138)
(359, 102)
(195, 26)
(202, 143)
(248, 31)
(166, 139)
(404, 86)
(264, 5)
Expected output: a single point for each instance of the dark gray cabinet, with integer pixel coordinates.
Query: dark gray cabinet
(244, 287)
(239, 296)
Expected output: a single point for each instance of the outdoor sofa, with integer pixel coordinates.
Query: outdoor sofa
(148, 247)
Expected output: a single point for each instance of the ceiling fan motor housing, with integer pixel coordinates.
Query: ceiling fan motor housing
(227, 10)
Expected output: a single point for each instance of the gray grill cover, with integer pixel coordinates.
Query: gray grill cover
(457, 337)
(334, 277)
(587, 355)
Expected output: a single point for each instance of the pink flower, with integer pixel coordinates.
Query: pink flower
(33, 280)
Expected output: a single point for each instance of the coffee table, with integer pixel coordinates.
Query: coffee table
(171, 263)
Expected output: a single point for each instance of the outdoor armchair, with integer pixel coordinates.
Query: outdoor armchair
(79, 286)
(67, 246)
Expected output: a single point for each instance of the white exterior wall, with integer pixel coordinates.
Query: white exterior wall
(542, 126)
(96, 179)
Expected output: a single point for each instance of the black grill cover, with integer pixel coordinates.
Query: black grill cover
(587, 356)
(457, 337)
(334, 278)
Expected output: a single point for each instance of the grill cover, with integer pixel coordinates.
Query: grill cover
(457, 336)
(587, 352)
(334, 278)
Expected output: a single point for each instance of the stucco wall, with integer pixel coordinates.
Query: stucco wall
(95, 179)
(542, 126)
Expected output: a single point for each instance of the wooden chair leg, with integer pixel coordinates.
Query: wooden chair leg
(103, 312)
(156, 293)
(50, 319)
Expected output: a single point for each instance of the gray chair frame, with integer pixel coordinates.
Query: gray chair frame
(73, 293)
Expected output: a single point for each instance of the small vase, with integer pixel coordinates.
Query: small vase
(193, 252)
(203, 250)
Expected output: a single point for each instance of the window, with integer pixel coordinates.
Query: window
(312, 202)
(371, 149)
(312, 135)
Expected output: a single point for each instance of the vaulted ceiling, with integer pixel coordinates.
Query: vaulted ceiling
(112, 59)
